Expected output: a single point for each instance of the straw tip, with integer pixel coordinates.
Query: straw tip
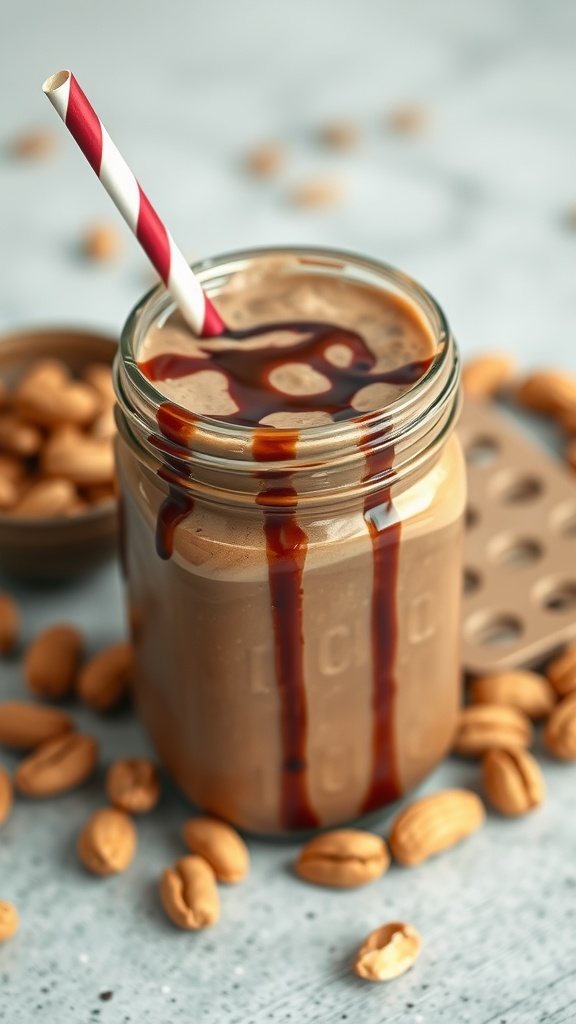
(55, 81)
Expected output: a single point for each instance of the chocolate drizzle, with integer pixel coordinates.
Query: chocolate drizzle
(247, 372)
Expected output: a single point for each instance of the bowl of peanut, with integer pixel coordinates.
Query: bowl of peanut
(58, 507)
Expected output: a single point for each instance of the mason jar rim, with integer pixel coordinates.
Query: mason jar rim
(158, 302)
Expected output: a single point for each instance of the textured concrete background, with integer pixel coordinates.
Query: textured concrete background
(474, 209)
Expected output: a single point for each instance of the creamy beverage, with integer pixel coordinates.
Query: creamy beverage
(293, 500)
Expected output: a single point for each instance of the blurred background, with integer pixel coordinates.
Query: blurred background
(459, 166)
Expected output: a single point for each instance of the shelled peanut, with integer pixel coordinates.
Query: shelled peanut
(56, 434)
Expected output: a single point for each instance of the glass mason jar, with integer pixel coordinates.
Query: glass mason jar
(297, 641)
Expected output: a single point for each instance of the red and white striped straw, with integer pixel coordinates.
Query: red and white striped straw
(80, 118)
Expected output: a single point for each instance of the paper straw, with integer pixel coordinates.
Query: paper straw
(83, 123)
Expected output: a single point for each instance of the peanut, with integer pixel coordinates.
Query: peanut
(340, 135)
(568, 420)
(57, 766)
(512, 780)
(548, 391)
(9, 623)
(102, 243)
(132, 784)
(435, 823)
(76, 403)
(104, 426)
(410, 119)
(220, 845)
(52, 374)
(18, 437)
(80, 459)
(486, 375)
(189, 894)
(107, 843)
(344, 857)
(105, 680)
(482, 726)
(34, 145)
(8, 493)
(561, 672)
(526, 691)
(99, 376)
(51, 661)
(12, 469)
(8, 920)
(267, 160)
(318, 192)
(6, 795)
(560, 730)
(388, 952)
(46, 499)
(25, 726)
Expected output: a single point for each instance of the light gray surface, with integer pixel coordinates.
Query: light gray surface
(475, 211)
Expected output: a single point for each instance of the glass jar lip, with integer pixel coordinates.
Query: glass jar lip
(158, 301)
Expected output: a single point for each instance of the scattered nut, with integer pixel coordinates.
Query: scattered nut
(25, 726)
(526, 691)
(513, 781)
(409, 119)
(132, 784)
(9, 623)
(388, 952)
(51, 661)
(105, 680)
(6, 795)
(344, 857)
(267, 160)
(486, 375)
(482, 726)
(435, 823)
(319, 192)
(57, 766)
(8, 920)
(560, 730)
(568, 421)
(101, 243)
(220, 845)
(34, 145)
(548, 391)
(340, 135)
(107, 843)
(561, 672)
(189, 894)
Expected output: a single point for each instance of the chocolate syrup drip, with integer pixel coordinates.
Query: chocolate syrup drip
(178, 426)
(286, 547)
(247, 373)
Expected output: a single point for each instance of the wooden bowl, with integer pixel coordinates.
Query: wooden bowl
(60, 547)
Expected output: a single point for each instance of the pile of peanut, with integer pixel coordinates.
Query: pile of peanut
(496, 727)
(56, 441)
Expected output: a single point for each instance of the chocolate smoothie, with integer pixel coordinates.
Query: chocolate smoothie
(296, 634)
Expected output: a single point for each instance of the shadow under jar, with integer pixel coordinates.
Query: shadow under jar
(294, 588)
